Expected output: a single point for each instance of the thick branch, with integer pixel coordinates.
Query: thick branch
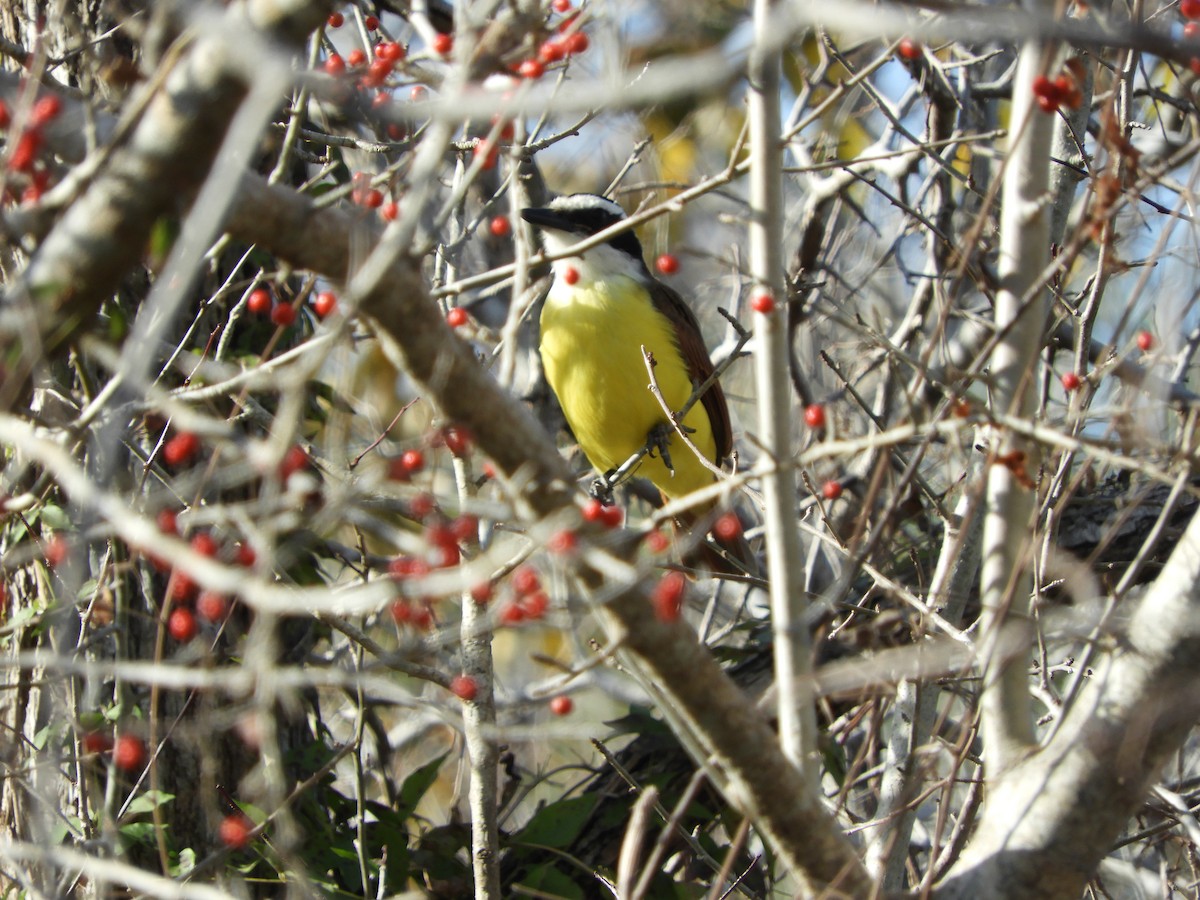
(1064, 807)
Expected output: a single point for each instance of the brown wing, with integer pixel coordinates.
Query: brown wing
(695, 354)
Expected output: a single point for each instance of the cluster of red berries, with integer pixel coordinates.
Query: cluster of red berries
(530, 602)
(1062, 91)
(261, 302)
(385, 57)
(364, 195)
(597, 512)
(184, 592)
(25, 151)
(568, 40)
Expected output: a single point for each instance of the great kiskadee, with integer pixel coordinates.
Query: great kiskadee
(603, 307)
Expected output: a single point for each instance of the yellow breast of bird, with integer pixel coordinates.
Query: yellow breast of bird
(591, 347)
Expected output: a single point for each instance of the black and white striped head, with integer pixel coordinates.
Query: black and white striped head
(570, 219)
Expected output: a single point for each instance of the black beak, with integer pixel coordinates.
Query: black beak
(548, 218)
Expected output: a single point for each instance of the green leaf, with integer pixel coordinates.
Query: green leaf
(55, 518)
(416, 784)
(558, 824)
(138, 832)
(148, 802)
(549, 881)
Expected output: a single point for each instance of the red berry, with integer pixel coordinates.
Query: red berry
(180, 448)
(728, 527)
(443, 44)
(535, 605)
(418, 93)
(402, 612)
(657, 541)
(377, 74)
(47, 108)
(814, 415)
(533, 68)
(464, 687)
(512, 614)
(212, 606)
(500, 226)
(244, 555)
(439, 535)
(129, 753)
(334, 65)
(205, 544)
(1190, 30)
(168, 521)
(443, 556)
(562, 6)
(181, 588)
(561, 706)
(576, 43)
(259, 302)
(24, 154)
(488, 151)
(356, 57)
(336, 20)
(406, 567)
(56, 550)
(551, 51)
(422, 618)
(373, 198)
(5, 115)
(372, 23)
(1189, 9)
(909, 49)
(668, 264)
(1044, 87)
(457, 317)
(668, 596)
(390, 51)
(482, 592)
(1145, 340)
(570, 275)
(457, 440)
(612, 516)
(1070, 381)
(413, 461)
(181, 625)
(421, 505)
(525, 580)
(235, 831)
(390, 211)
(563, 542)
(593, 510)
(283, 314)
(831, 490)
(96, 742)
(324, 303)
(294, 460)
(464, 529)
(763, 303)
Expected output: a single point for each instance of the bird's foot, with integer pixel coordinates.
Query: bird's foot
(659, 439)
(602, 488)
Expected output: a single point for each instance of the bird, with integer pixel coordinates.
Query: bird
(602, 308)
